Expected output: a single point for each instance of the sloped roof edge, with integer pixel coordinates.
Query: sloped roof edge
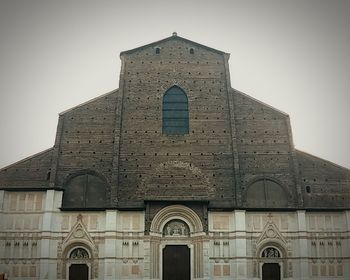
(89, 101)
(261, 102)
(171, 38)
(27, 158)
(322, 159)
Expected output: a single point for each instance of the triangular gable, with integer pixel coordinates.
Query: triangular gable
(79, 233)
(271, 233)
(173, 37)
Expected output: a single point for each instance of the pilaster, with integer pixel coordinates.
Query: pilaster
(48, 251)
(241, 244)
(303, 247)
(110, 245)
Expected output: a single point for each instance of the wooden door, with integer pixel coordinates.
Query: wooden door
(271, 271)
(176, 262)
(78, 272)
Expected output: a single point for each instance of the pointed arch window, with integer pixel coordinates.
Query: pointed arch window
(175, 112)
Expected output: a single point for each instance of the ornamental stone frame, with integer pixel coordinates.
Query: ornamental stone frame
(70, 261)
(281, 260)
(78, 237)
(196, 240)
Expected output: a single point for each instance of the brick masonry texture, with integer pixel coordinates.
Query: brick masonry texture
(233, 140)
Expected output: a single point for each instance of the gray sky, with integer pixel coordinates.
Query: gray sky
(292, 54)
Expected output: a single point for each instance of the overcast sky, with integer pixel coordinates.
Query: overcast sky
(291, 54)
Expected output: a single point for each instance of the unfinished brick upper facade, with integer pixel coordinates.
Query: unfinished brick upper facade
(233, 140)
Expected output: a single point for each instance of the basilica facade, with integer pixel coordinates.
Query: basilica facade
(174, 175)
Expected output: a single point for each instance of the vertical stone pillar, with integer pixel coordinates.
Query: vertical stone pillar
(241, 244)
(2, 196)
(346, 248)
(303, 246)
(206, 261)
(48, 252)
(347, 217)
(110, 245)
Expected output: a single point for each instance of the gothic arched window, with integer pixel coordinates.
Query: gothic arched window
(85, 191)
(175, 112)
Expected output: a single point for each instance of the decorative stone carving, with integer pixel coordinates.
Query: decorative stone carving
(79, 253)
(170, 212)
(176, 228)
(270, 252)
(271, 236)
(271, 233)
(77, 237)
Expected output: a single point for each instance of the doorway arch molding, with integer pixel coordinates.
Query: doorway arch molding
(177, 211)
(282, 260)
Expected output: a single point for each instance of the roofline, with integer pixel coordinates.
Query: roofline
(89, 101)
(262, 103)
(26, 159)
(169, 38)
(328, 161)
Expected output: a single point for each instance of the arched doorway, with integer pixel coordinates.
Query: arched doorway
(78, 264)
(176, 244)
(271, 266)
(176, 258)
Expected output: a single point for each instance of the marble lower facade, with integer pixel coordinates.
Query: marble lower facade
(39, 241)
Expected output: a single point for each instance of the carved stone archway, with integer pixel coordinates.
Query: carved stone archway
(176, 225)
(179, 212)
(78, 237)
(79, 256)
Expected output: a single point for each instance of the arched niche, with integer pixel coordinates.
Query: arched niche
(85, 190)
(266, 193)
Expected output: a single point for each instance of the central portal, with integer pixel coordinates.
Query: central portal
(176, 262)
(78, 272)
(271, 271)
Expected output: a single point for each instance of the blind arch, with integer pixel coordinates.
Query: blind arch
(266, 193)
(85, 191)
